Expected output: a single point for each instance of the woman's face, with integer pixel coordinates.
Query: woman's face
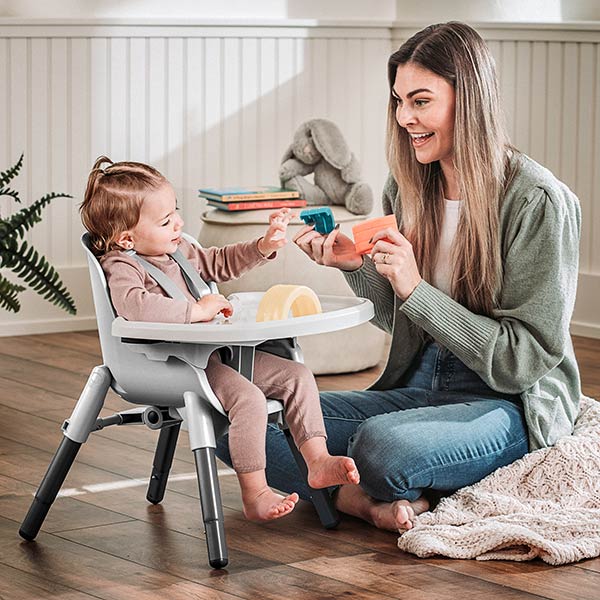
(425, 108)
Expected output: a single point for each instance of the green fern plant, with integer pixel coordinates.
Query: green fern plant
(21, 258)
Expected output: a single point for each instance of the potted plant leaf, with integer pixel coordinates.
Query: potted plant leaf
(22, 258)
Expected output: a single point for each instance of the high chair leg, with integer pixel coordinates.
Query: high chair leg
(163, 459)
(203, 444)
(212, 508)
(320, 497)
(46, 494)
(76, 431)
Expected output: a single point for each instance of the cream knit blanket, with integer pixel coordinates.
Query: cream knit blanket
(546, 505)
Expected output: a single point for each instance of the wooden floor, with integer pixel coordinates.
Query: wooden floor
(103, 540)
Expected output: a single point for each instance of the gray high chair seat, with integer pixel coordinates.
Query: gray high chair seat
(167, 382)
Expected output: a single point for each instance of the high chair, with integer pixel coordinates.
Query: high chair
(160, 368)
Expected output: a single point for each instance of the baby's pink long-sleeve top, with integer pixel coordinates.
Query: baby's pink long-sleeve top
(137, 297)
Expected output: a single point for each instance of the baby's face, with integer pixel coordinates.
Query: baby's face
(158, 231)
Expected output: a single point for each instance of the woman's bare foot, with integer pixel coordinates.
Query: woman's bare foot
(332, 470)
(393, 516)
(398, 515)
(267, 505)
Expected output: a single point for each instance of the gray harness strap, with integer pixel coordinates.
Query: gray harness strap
(197, 287)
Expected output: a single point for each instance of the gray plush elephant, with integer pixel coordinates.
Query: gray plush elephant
(319, 147)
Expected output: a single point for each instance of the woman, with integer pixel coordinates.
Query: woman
(477, 291)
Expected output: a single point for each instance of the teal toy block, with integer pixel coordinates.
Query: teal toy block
(321, 217)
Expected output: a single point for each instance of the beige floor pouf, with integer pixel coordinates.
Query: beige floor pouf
(339, 352)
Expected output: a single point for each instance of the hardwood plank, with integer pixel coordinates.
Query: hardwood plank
(56, 408)
(34, 399)
(593, 564)
(184, 556)
(96, 573)
(135, 436)
(557, 583)
(83, 341)
(44, 377)
(587, 351)
(101, 452)
(19, 585)
(26, 398)
(34, 350)
(360, 380)
(275, 583)
(403, 576)
(10, 485)
(89, 484)
(66, 513)
(180, 513)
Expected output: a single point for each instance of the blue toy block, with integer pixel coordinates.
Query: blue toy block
(321, 217)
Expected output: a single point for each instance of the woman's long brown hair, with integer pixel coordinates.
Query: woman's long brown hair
(482, 152)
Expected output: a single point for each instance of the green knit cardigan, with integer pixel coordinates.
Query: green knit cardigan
(526, 347)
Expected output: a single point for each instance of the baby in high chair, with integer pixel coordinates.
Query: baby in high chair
(130, 206)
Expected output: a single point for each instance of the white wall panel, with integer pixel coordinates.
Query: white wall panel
(586, 113)
(118, 99)
(595, 174)
(79, 154)
(554, 96)
(59, 153)
(5, 158)
(139, 85)
(175, 115)
(195, 161)
(19, 122)
(38, 101)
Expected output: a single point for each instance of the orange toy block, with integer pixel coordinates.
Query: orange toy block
(363, 232)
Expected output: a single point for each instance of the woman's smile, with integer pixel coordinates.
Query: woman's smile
(420, 139)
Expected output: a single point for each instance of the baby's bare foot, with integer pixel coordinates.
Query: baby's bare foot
(398, 515)
(267, 505)
(332, 470)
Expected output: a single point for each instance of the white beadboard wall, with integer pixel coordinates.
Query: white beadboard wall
(207, 105)
(216, 104)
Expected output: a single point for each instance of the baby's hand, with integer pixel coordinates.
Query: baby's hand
(274, 237)
(209, 306)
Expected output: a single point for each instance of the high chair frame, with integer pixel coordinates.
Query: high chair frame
(167, 383)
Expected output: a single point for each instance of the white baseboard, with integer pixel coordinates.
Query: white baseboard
(589, 330)
(37, 326)
(40, 316)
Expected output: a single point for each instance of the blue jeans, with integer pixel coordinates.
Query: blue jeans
(442, 430)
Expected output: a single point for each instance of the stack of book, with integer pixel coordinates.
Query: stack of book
(251, 198)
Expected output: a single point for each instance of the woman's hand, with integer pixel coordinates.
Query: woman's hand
(274, 237)
(393, 257)
(209, 306)
(333, 250)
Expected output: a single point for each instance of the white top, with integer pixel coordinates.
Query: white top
(442, 274)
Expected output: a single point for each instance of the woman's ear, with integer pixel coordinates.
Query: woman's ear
(125, 240)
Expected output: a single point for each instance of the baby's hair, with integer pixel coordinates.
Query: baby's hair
(113, 199)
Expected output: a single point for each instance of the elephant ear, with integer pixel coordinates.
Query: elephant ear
(330, 142)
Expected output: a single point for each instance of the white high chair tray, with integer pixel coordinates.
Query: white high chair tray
(339, 312)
